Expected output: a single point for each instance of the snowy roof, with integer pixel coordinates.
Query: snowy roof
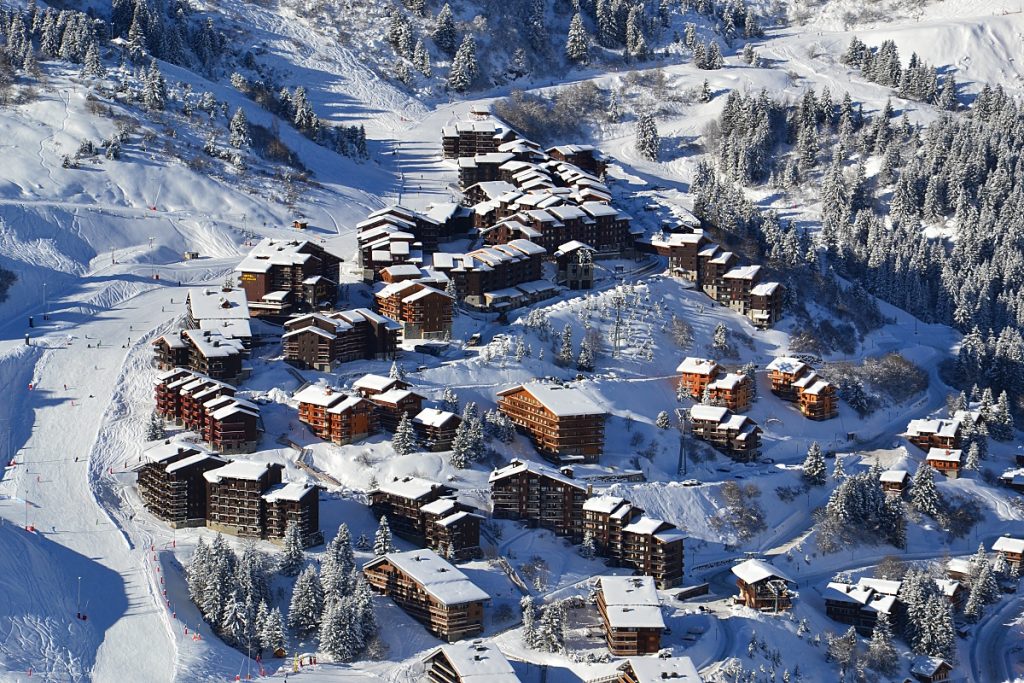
(312, 329)
(213, 344)
(786, 364)
(946, 428)
(944, 454)
(237, 329)
(439, 506)
(375, 383)
(728, 382)
(424, 293)
(477, 662)
(884, 586)
(660, 669)
(603, 504)
(293, 491)
(431, 417)
(192, 460)
(765, 288)
(517, 466)
(644, 526)
(948, 587)
(412, 488)
(318, 395)
(894, 476)
(868, 597)
(743, 273)
(631, 602)
(237, 469)
(167, 450)
(456, 517)
(346, 405)
(403, 270)
(233, 409)
(274, 252)
(439, 578)
(394, 396)
(572, 246)
(962, 415)
(754, 571)
(493, 188)
(957, 565)
(928, 666)
(697, 366)
(214, 302)
(710, 413)
(563, 401)
(1008, 544)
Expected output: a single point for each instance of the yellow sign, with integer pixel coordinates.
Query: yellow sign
(248, 277)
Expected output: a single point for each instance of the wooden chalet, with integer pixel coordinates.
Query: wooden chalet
(424, 230)
(171, 484)
(574, 265)
(948, 461)
(629, 538)
(224, 310)
(859, 604)
(939, 433)
(762, 586)
(894, 482)
(369, 386)
(696, 374)
(392, 404)
(930, 669)
(1012, 550)
(631, 611)
(481, 168)
(402, 500)
(658, 670)
(795, 381)
(452, 529)
(431, 591)
(764, 307)
(204, 351)
(337, 417)
(321, 341)
(733, 390)
(468, 138)
(469, 662)
(565, 425)
(234, 496)
(423, 312)
(737, 436)
(435, 429)
(540, 496)
(304, 271)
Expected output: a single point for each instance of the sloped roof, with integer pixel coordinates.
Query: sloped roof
(563, 401)
(437, 576)
(753, 571)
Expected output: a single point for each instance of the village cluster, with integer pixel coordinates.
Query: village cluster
(527, 206)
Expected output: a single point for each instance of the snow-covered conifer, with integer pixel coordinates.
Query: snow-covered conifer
(382, 541)
(648, 141)
(814, 466)
(465, 68)
(565, 350)
(577, 45)
(444, 31)
(293, 558)
(924, 496)
(239, 130)
(307, 605)
(404, 441)
(663, 421)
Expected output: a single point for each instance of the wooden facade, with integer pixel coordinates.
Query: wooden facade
(426, 513)
(1012, 550)
(696, 374)
(304, 270)
(423, 311)
(859, 604)
(431, 591)
(539, 496)
(762, 586)
(394, 403)
(469, 662)
(202, 351)
(793, 380)
(171, 483)
(564, 424)
(947, 461)
(929, 434)
(737, 436)
(574, 265)
(631, 612)
(658, 670)
(735, 391)
(209, 408)
(321, 341)
(234, 497)
(337, 417)
(435, 429)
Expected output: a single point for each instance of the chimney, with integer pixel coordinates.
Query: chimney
(567, 471)
(328, 391)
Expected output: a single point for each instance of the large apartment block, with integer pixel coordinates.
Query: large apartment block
(565, 425)
(793, 380)
(540, 496)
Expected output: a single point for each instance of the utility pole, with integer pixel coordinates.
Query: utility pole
(46, 307)
(78, 603)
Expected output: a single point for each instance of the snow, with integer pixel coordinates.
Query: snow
(894, 476)
(209, 303)
(786, 365)
(440, 579)
(697, 366)
(944, 454)
(659, 669)
(291, 491)
(432, 417)
(374, 383)
(412, 488)
(709, 413)
(237, 469)
(318, 395)
(562, 401)
(631, 602)
(1008, 544)
(478, 662)
(753, 571)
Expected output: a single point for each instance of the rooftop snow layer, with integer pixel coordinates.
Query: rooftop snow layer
(438, 577)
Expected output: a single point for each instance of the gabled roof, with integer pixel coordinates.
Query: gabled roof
(412, 488)
(710, 413)
(238, 469)
(518, 466)
(214, 302)
(562, 401)
(1008, 544)
(662, 669)
(293, 491)
(697, 366)
(375, 383)
(318, 395)
(431, 417)
(631, 602)
(437, 576)
(786, 364)
(754, 571)
(477, 662)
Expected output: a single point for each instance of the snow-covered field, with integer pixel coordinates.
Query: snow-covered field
(98, 250)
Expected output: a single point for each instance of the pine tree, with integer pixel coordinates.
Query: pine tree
(720, 340)
(924, 496)
(549, 629)
(973, 457)
(529, 622)
(307, 605)
(705, 92)
(293, 557)
(444, 31)
(421, 58)
(272, 632)
(814, 466)
(450, 400)
(92, 66)
(585, 360)
(714, 57)
(577, 45)
(1000, 426)
(338, 632)
(239, 130)
(465, 68)
(155, 428)
(198, 570)
(663, 421)
(565, 351)
(154, 94)
(838, 473)
(404, 441)
(648, 141)
(396, 371)
(382, 542)
(338, 565)
(882, 655)
(587, 548)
